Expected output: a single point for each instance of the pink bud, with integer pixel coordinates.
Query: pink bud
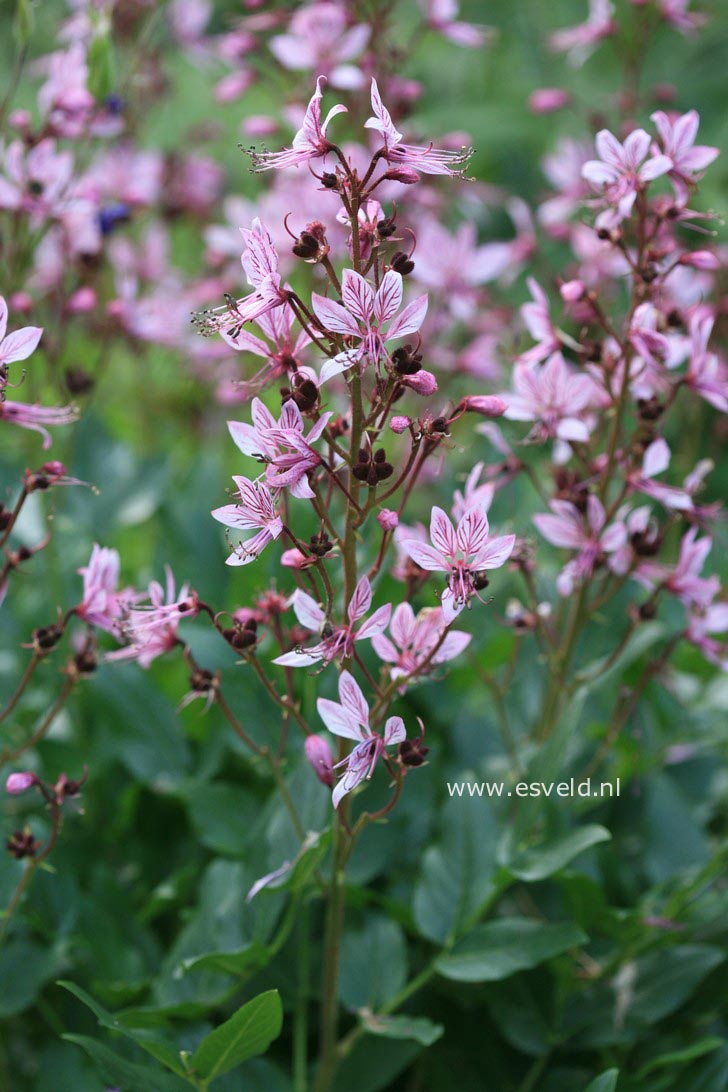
(400, 424)
(21, 302)
(19, 783)
(487, 405)
(53, 469)
(548, 99)
(20, 120)
(700, 259)
(422, 383)
(388, 520)
(319, 755)
(664, 92)
(115, 308)
(406, 175)
(572, 291)
(85, 299)
(293, 558)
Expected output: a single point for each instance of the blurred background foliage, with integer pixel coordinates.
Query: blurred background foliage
(177, 822)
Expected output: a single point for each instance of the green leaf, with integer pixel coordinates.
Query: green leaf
(538, 862)
(251, 958)
(223, 816)
(665, 979)
(25, 968)
(373, 964)
(418, 1028)
(164, 1051)
(605, 1082)
(247, 1033)
(500, 948)
(459, 872)
(679, 1057)
(125, 1075)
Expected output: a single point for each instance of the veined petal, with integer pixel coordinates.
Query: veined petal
(409, 320)
(394, 731)
(333, 316)
(442, 532)
(361, 600)
(376, 624)
(495, 552)
(388, 299)
(338, 720)
(307, 611)
(427, 557)
(358, 296)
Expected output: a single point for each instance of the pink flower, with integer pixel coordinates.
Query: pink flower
(684, 580)
(620, 171)
(310, 142)
(707, 374)
(255, 511)
(103, 604)
(643, 334)
(368, 315)
(35, 179)
(656, 460)
(337, 641)
(37, 418)
(350, 718)
(475, 494)
(537, 317)
(282, 445)
(412, 641)
(551, 395)
(676, 12)
(703, 623)
(579, 41)
(677, 136)
(260, 262)
(152, 630)
(563, 170)
(18, 345)
(319, 39)
(320, 758)
(428, 160)
(465, 554)
(281, 352)
(441, 15)
(569, 529)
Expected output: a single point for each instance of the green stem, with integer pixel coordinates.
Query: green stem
(300, 1015)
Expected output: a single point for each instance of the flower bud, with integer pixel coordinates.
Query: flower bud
(701, 259)
(82, 300)
(546, 100)
(388, 520)
(423, 383)
(406, 175)
(21, 302)
(319, 755)
(487, 405)
(400, 424)
(293, 558)
(18, 783)
(572, 291)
